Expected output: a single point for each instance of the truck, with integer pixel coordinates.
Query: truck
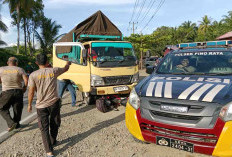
(104, 67)
(186, 102)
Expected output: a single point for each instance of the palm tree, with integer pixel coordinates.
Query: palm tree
(3, 28)
(48, 35)
(190, 30)
(227, 20)
(17, 6)
(205, 25)
(25, 13)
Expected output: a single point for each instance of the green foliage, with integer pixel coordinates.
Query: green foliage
(207, 30)
(48, 35)
(3, 28)
(5, 53)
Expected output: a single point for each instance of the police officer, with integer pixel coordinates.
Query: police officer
(44, 82)
(12, 77)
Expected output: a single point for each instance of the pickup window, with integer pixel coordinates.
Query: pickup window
(207, 62)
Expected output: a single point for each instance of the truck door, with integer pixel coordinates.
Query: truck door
(79, 71)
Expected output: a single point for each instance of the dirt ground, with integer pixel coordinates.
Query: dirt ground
(86, 132)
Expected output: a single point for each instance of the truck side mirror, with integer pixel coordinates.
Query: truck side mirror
(84, 54)
(150, 69)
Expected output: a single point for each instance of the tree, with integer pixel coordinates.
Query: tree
(16, 6)
(227, 21)
(32, 20)
(189, 30)
(3, 28)
(205, 26)
(48, 35)
(25, 13)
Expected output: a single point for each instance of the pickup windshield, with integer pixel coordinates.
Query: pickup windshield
(197, 63)
(112, 54)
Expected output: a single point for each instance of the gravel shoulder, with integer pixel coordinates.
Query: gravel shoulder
(86, 132)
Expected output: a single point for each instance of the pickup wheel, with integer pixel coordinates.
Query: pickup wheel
(101, 106)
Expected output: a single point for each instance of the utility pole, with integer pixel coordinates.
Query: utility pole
(141, 53)
(133, 27)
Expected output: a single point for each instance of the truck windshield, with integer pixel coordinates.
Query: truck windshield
(113, 54)
(197, 63)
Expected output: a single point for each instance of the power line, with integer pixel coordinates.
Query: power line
(152, 2)
(135, 7)
(141, 8)
(157, 9)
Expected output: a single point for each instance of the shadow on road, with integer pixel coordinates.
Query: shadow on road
(81, 110)
(71, 141)
(77, 111)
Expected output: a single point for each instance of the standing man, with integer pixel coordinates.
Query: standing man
(12, 77)
(44, 82)
(66, 84)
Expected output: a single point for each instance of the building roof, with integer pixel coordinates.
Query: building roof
(225, 36)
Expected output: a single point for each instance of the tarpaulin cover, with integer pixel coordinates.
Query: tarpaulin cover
(97, 24)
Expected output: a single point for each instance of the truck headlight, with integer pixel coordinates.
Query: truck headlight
(226, 112)
(96, 80)
(134, 99)
(135, 78)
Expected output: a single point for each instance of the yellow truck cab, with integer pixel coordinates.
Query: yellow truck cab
(104, 67)
(104, 71)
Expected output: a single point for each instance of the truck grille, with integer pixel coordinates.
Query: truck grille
(176, 116)
(117, 80)
(198, 115)
(198, 137)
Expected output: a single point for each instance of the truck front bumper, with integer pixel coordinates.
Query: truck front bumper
(216, 141)
(108, 90)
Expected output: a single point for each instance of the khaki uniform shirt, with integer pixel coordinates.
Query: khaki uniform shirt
(11, 77)
(45, 82)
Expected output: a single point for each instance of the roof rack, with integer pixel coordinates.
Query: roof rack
(90, 37)
(221, 43)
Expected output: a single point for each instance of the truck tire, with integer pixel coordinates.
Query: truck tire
(88, 99)
(101, 106)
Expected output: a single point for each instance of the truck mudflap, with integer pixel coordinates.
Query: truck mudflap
(214, 141)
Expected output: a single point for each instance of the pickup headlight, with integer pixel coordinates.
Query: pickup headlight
(97, 80)
(226, 112)
(134, 99)
(135, 78)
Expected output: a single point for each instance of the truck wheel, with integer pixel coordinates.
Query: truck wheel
(90, 100)
(101, 106)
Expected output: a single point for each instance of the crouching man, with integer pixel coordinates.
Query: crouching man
(44, 82)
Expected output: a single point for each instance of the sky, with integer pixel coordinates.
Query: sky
(68, 13)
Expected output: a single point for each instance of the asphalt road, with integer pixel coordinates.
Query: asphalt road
(3, 125)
